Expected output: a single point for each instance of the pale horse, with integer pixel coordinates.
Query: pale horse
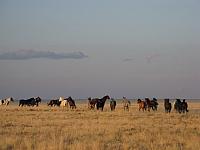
(126, 103)
(63, 101)
(6, 101)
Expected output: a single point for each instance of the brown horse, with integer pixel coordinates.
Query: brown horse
(167, 105)
(148, 104)
(92, 102)
(142, 105)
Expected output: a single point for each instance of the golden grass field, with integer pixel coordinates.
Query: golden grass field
(54, 128)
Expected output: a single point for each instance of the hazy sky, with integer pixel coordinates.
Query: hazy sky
(82, 48)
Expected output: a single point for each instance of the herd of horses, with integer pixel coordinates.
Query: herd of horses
(144, 105)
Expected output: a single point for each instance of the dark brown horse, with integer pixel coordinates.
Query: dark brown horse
(148, 103)
(92, 102)
(167, 105)
(142, 104)
(151, 104)
(71, 102)
(113, 104)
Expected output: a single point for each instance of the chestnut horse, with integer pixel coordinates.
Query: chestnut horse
(142, 105)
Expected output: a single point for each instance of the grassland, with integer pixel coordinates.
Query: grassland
(55, 128)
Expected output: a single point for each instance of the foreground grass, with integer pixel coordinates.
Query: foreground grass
(56, 128)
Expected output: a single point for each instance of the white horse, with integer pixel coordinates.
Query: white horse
(126, 103)
(63, 103)
(6, 101)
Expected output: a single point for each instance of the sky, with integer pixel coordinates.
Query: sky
(132, 48)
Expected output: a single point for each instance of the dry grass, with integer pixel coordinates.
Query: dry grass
(56, 128)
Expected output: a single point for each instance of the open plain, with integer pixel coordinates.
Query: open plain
(55, 128)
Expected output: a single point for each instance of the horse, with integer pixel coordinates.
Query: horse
(112, 104)
(181, 107)
(30, 102)
(142, 105)
(154, 104)
(167, 105)
(92, 102)
(101, 102)
(71, 102)
(178, 106)
(151, 104)
(63, 102)
(184, 106)
(148, 104)
(126, 103)
(37, 101)
(54, 103)
(6, 101)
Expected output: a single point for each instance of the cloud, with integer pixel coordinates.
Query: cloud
(32, 54)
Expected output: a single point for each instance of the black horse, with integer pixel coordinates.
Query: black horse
(112, 104)
(184, 106)
(71, 102)
(55, 102)
(181, 107)
(30, 102)
(154, 104)
(167, 105)
(101, 102)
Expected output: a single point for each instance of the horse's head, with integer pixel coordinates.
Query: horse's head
(139, 100)
(147, 100)
(154, 99)
(38, 99)
(107, 97)
(69, 98)
(11, 99)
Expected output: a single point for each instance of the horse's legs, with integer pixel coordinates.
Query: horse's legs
(149, 108)
(143, 109)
